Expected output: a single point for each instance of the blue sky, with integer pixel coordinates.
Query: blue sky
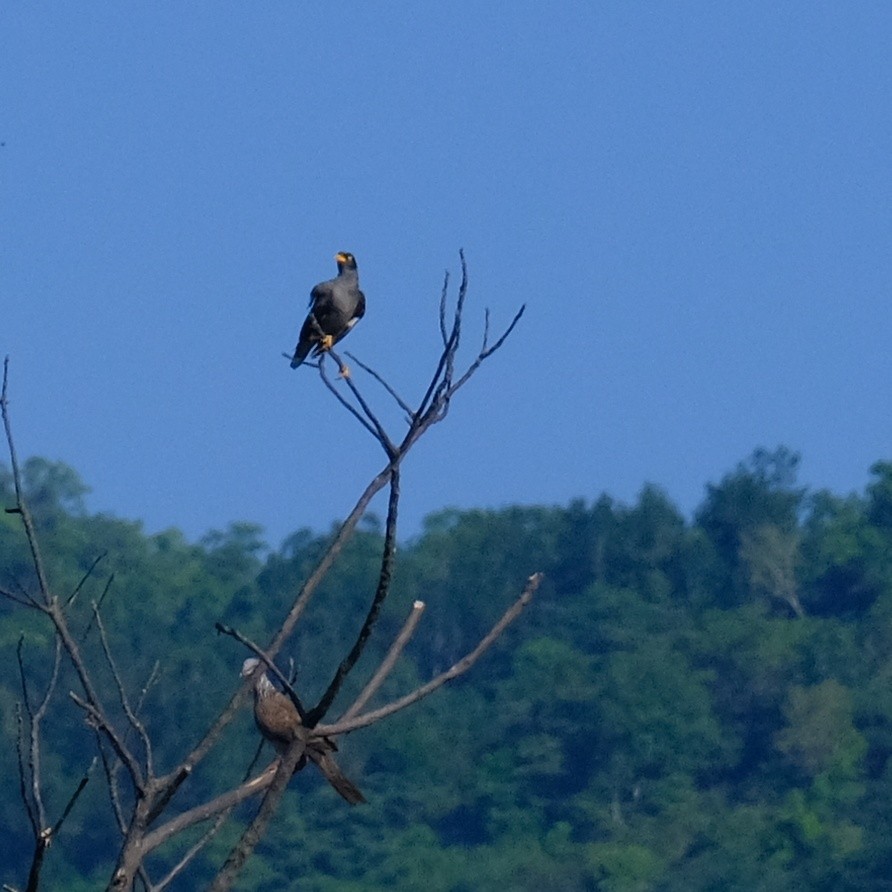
(693, 199)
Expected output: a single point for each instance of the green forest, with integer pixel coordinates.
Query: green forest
(698, 703)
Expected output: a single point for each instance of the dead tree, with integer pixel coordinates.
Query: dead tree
(144, 800)
(770, 555)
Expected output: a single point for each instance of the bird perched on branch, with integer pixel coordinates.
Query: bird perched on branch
(279, 722)
(335, 307)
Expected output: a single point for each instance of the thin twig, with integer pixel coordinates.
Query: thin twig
(99, 603)
(344, 402)
(96, 718)
(23, 592)
(486, 352)
(183, 863)
(36, 719)
(439, 406)
(441, 394)
(442, 315)
(111, 779)
(380, 433)
(74, 797)
(399, 400)
(459, 307)
(135, 723)
(150, 681)
(420, 413)
(84, 578)
(29, 603)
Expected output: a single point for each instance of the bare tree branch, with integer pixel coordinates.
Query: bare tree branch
(207, 810)
(44, 837)
(84, 578)
(486, 352)
(457, 317)
(398, 399)
(221, 806)
(35, 717)
(50, 604)
(384, 578)
(33, 797)
(43, 833)
(435, 383)
(386, 666)
(74, 797)
(444, 294)
(343, 401)
(254, 832)
(135, 723)
(20, 507)
(97, 719)
(193, 850)
(150, 682)
(111, 778)
(379, 432)
(26, 601)
(23, 773)
(459, 668)
(99, 604)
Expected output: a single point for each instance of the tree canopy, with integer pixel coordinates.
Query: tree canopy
(689, 705)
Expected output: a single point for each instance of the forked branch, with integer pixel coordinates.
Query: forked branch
(345, 725)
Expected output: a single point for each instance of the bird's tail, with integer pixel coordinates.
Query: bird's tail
(333, 774)
(301, 352)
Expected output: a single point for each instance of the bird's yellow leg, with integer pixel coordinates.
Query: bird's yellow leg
(326, 342)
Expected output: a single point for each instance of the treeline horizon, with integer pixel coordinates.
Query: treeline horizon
(688, 704)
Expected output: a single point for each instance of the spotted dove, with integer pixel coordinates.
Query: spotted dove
(279, 722)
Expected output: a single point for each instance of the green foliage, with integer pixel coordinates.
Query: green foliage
(685, 706)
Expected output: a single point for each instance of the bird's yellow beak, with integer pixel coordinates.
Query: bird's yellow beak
(341, 257)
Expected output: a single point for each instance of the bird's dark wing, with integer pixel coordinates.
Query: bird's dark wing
(322, 295)
(321, 299)
(304, 342)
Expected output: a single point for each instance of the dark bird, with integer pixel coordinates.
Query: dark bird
(335, 307)
(279, 722)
